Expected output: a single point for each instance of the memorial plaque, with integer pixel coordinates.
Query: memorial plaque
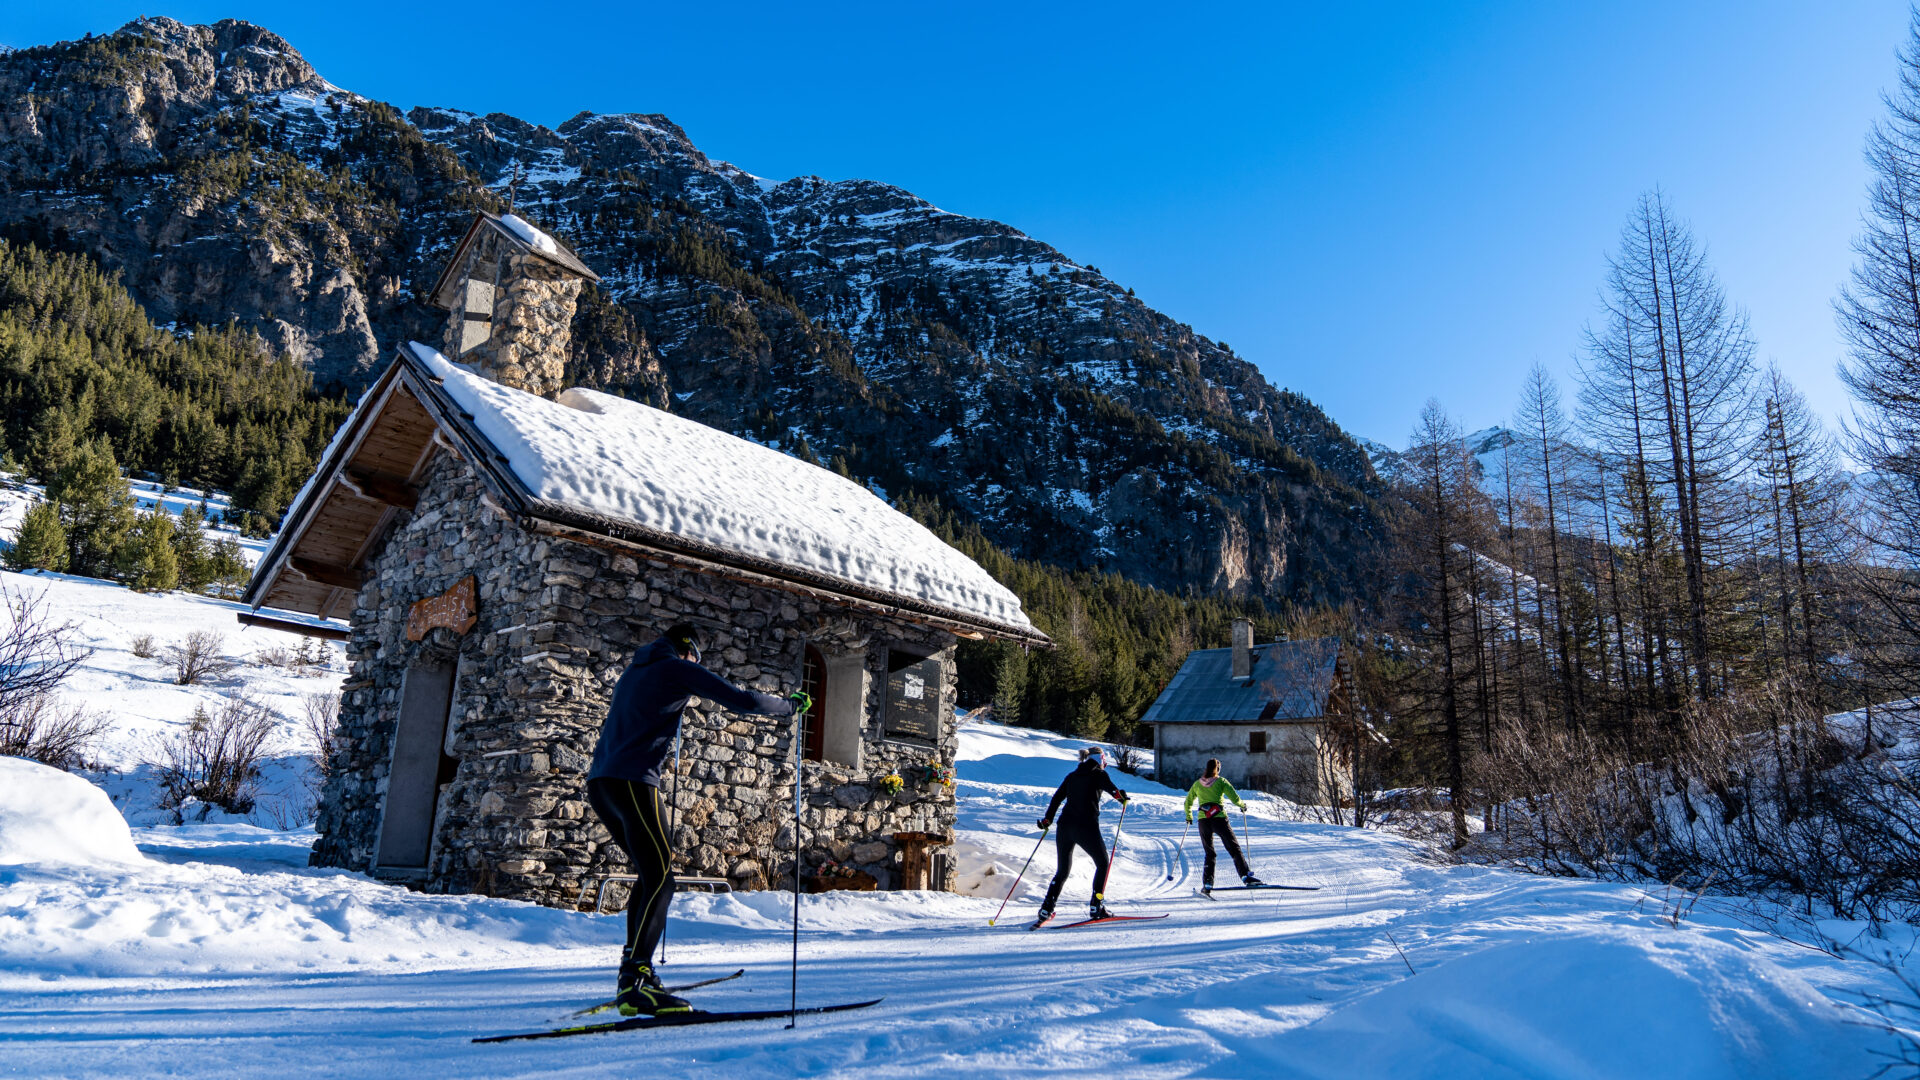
(913, 698)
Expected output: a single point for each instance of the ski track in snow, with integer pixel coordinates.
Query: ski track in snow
(224, 954)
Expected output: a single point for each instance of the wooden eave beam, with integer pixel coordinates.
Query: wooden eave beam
(267, 622)
(381, 488)
(324, 573)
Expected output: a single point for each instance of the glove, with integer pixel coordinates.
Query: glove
(1045, 823)
(1121, 795)
(1189, 817)
(802, 702)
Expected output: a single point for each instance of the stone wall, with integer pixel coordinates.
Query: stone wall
(558, 621)
(532, 321)
(1300, 763)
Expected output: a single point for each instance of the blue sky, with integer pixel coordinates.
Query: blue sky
(1375, 204)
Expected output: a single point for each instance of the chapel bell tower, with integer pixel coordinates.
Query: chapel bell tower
(510, 291)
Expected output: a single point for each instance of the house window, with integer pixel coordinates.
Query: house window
(1256, 742)
(813, 727)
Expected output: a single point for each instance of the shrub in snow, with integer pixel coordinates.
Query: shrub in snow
(36, 656)
(144, 647)
(197, 657)
(48, 816)
(1755, 794)
(43, 730)
(216, 760)
(41, 543)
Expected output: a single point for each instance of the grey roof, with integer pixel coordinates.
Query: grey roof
(1291, 681)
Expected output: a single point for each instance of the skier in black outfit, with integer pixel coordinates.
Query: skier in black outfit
(623, 787)
(1080, 828)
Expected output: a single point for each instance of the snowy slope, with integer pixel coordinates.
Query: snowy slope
(145, 706)
(224, 953)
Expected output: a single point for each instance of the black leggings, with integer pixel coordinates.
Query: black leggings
(631, 812)
(1211, 827)
(1084, 835)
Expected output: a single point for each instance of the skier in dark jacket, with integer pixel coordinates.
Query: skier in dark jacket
(1077, 801)
(623, 787)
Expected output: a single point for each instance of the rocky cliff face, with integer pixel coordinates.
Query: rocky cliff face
(847, 321)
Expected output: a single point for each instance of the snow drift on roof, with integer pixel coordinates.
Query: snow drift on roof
(537, 240)
(631, 463)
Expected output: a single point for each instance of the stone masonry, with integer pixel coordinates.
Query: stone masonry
(559, 618)
(532, 305)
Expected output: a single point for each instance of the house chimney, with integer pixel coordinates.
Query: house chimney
(510, 293)
(1242, 648)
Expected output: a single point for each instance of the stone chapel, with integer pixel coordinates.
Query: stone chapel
(499, 547)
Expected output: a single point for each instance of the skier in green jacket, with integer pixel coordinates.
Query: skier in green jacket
(1211, 791)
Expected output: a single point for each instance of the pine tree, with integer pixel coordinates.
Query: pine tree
(190, 551)
(96, 507)
(41, 543)
(228, 567)
(146, 560)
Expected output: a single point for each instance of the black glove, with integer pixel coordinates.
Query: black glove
(1045, 823)
(1121, 795)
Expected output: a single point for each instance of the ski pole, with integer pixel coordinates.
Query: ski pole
(673, 824)
(1183, 842)
(1021, 874)
(799, 762)
(1121, 824)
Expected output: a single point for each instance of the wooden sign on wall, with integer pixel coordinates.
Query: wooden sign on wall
(454, 609)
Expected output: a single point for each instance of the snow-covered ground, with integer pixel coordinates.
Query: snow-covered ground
(222, 953)
(145, 706)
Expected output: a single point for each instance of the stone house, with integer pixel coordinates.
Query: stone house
(500, 549)
(1276, 715)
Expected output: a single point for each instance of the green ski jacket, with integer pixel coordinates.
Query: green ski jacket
(1213, 794)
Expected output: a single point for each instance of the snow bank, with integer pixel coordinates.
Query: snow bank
(237, 899)
(48, 816)
(1606, 1004)
(632, 463)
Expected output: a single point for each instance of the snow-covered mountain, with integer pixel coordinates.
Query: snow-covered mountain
(926, 351)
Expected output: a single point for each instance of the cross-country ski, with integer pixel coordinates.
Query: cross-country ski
(1208, 891)
(680, 989)
(1103, 920)
(689, 1018)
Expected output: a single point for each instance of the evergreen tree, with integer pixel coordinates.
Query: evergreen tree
(146, 560)
(190, 551)
(227, 567)
(42, 542)
(96, 507)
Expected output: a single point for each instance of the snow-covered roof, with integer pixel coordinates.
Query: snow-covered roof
(606, 459)
(1291, 681)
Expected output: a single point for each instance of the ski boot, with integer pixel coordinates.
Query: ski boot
(1250, 881)
(1098, 910)
(641, 992)
(1045, 917)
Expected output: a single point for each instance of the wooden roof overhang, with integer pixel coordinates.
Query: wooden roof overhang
(317, 562)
